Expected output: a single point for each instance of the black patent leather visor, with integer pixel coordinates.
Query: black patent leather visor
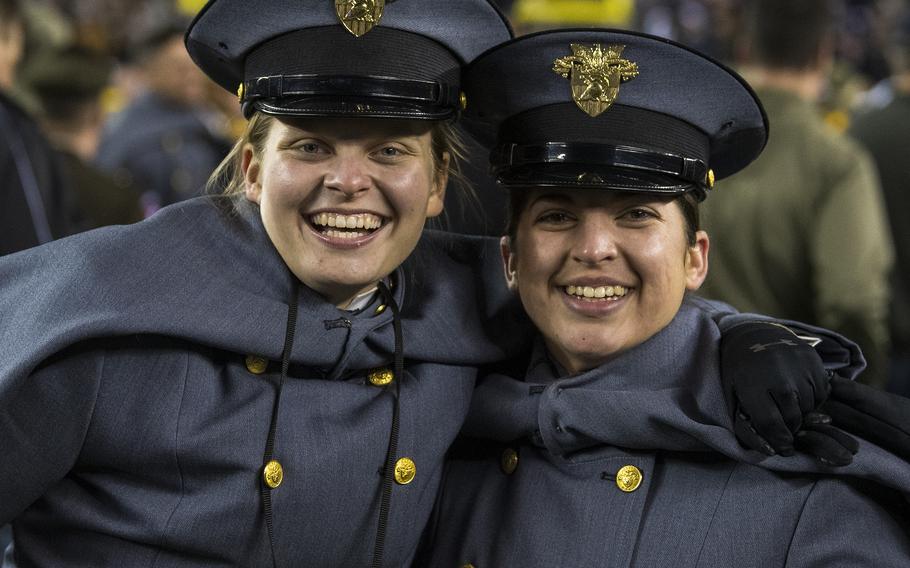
(342, 95)
(595, 165)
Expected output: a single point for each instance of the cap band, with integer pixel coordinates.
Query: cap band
(688, 170)
(277, 86)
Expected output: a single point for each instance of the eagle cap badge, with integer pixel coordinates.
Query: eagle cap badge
(595, 73)
(359, 16)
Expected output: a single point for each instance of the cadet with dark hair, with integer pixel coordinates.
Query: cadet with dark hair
(614, 449)
(801, 233)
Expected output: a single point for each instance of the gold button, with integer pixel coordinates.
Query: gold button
(273, 474)
(256, 365)
(467, 566)
(628, 478)
(710, 179)
(379, 309)
(240, 92)
(463, 100)
(405, 470)
(380, 377)
(509, 461)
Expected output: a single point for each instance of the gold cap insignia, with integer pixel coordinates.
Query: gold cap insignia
(596, 72)
(359, 16)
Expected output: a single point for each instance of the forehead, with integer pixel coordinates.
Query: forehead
(351, 128)
(590, 198)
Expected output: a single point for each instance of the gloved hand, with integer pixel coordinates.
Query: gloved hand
(828, 444)
(772, 378)
(878, 416)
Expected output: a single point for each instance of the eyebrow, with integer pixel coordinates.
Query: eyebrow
(558, 197)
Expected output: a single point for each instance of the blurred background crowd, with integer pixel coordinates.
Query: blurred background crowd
(104, 120)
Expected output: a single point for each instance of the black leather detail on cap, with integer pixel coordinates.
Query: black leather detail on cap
(340, 85)
(687, 170)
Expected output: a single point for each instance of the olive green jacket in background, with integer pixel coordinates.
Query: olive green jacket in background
(801, 233)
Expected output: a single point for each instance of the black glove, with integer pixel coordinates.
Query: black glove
(828, 444)
(772, 378)
(878, 416)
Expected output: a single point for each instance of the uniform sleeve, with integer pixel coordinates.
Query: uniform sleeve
(847, 524)
(852, 255)
(43, 422)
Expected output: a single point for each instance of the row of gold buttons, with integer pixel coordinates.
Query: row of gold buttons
(405, 471)
(628, 478)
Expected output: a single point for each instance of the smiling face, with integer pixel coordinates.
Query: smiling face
(601, 271)
(344, 201)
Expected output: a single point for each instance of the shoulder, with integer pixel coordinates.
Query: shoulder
(835, 507)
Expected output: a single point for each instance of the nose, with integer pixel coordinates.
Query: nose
(348, 175)
(595, 240)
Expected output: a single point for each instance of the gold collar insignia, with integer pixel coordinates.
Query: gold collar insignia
(596, 73)
(359, 16)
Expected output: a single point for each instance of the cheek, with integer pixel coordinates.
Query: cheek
(410, 191)
(285, 183)
(537, 262)
(661, 258)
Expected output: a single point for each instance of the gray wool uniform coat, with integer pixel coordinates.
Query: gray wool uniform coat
(133, 425)
(543, 490)
(133, 429)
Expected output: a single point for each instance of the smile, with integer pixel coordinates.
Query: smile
(609, 293)
(340, 226)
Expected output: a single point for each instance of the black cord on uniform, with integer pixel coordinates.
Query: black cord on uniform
(266, 491)
(389, 469)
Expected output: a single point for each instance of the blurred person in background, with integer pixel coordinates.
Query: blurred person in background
(159, 144)
(34, 208)
(67, 83)
(885, 133)
(801, 233)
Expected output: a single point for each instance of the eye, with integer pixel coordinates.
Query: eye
(389, 154)
(309, 148)
(555, 218)
(638, 214)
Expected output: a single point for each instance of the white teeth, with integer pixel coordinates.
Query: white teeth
(608, 292)
(359, 221)
(343, 234)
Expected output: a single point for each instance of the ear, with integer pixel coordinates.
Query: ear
(438, 192)
(508, 263)
(251, 167)
(697, 261)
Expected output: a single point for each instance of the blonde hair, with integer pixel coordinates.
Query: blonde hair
(228, 180)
